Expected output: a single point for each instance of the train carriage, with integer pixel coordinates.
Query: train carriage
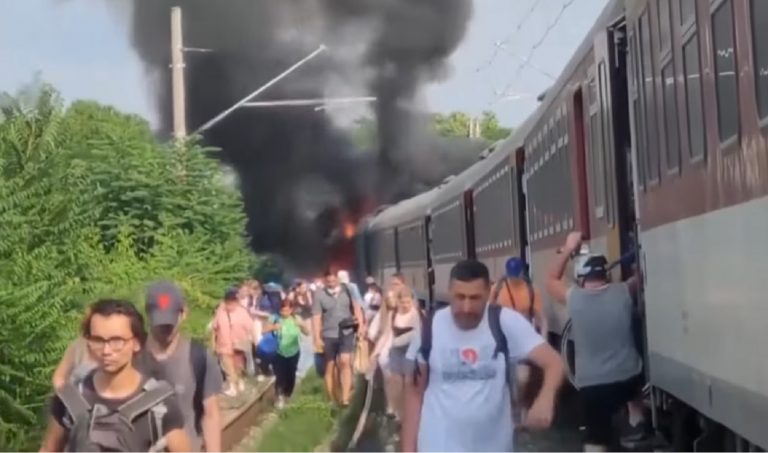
(699, 106)
(654, 134)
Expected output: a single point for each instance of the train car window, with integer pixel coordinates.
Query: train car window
(687, 13)
(693, 95)
(663, 7)
(760, 43)
(649, 95)
(725, 68)
(671, 118)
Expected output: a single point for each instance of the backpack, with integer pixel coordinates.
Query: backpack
(95, 428)
(494, 323)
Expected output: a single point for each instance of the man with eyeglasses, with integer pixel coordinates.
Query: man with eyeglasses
(116, 407)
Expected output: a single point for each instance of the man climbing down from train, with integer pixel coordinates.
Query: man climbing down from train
(459, 396)
(515, 290)
(608, 365)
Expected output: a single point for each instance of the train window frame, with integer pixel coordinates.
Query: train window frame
(728, 142)
(595, 138)
(664, 10)
(757, 46)
(671, 119)
(638, 139)
(687, 22)
(650, 106)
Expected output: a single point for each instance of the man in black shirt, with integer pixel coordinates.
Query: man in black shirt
(91, 415)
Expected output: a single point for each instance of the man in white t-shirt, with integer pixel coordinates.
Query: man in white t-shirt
(459, 398)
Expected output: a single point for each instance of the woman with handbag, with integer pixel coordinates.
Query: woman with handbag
(287, 328)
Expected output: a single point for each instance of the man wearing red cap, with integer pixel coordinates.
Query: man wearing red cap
(186, 364)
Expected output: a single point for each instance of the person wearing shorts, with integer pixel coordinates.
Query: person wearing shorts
(336, 318)
(608, 364)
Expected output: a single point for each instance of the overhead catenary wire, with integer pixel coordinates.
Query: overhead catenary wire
(500, 44)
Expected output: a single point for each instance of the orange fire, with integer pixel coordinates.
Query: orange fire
(349, 229)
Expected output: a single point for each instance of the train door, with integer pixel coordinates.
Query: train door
(520, 207)
(430, 270)
(580, 148)
(469, 225)
(610, 49)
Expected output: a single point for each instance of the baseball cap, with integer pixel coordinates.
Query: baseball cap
(164, 303)
(592, 265)
(515, 267)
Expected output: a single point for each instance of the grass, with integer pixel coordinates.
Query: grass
(304, 423)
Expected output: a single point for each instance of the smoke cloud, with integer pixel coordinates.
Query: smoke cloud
(296, 168)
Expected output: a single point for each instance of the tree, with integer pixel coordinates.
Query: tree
(456, 124)
(92, 206)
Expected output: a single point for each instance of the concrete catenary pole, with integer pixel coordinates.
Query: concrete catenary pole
(177, 69)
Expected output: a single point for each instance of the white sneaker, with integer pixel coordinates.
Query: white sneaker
(260, 378)
(231, 392)
(241, 386)
(280, 402)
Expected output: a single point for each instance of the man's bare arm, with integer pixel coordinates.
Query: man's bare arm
(178, 441)
(542, 411)
(557, 288)
(55, 437)
(211, 424)
(415, 385)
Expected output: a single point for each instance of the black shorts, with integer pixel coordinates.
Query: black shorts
(601, 402)
(345, 344)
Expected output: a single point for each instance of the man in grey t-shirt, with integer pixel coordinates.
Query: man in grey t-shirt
(184, 363)
(336, 315)
(608, 364)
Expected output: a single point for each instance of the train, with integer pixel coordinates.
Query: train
(653, 138)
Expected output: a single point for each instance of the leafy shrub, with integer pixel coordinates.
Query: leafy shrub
(91, 206)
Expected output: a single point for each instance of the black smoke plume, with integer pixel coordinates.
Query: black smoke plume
(294, 164)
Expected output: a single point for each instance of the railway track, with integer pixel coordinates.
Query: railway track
(239, 419)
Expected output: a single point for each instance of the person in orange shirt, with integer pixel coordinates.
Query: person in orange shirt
(515, 290)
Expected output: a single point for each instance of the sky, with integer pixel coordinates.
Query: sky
(81, 47)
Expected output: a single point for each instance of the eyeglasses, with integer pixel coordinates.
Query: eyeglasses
(115, 343)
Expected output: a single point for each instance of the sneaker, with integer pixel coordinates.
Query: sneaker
(636, 433)
(280, 402)
(260, 378)
(231, 392)
(241, 386)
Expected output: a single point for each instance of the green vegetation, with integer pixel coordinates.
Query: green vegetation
(456, 124)
(91, 205)
(305, 421)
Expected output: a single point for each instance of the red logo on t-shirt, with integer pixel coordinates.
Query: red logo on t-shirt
(469, 355)
(163, 301)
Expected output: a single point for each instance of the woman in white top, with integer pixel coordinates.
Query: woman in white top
(401, 323)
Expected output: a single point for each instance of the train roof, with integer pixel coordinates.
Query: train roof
(471, 176)
(404, 211)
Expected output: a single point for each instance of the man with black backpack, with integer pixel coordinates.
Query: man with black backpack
(116, 407)
(459, 397)
(186, 364)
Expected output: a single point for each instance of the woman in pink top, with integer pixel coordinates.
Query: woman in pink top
(233, 333)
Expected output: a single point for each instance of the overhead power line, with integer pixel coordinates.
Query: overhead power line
(499, 45)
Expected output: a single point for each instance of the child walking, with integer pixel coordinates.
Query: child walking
(288, 326)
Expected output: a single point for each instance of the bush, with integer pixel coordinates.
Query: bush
(91, 205)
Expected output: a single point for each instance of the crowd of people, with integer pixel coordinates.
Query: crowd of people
(455, 379)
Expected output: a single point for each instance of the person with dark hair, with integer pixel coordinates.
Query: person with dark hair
(288, 326)
(460, 396)
(233, 335)
(135, 412)
(337, 317)
(608, 364)
(185, 363)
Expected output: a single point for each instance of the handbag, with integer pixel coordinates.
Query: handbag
(268, 344)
